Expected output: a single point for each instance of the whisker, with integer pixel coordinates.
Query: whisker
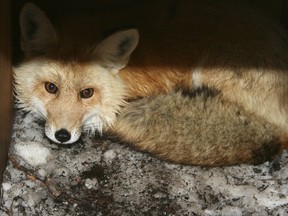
(92, 129)
(32, 112)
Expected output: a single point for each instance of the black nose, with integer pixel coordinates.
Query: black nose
(62, 135)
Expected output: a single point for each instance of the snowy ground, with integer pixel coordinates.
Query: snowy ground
(100, 177)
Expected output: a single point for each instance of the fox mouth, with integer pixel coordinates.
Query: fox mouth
(62, 136)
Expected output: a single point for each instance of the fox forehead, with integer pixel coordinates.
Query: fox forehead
(73, 75)
(71, 78)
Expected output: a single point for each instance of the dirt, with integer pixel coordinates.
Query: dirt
(97, 176)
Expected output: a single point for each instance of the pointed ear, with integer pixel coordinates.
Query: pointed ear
(38, 34)
(115, 50)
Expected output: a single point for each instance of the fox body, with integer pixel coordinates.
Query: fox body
(78, 80)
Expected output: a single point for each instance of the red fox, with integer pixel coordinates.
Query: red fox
(76, 80)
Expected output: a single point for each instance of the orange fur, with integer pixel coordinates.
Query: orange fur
(153, 81)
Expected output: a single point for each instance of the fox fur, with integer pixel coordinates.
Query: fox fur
(201, 129)
(77, 80)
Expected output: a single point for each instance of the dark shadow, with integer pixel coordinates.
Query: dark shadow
(228, 33)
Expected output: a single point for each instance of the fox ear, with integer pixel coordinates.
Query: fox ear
(115, 50)
(38, 34)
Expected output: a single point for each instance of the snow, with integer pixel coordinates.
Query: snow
(101, 177)
(91, 183)
(32, 152)
(109, 156)
(6, 186)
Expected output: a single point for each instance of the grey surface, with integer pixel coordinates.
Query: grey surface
(100, 177)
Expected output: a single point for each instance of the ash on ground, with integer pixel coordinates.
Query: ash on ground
(100, 177)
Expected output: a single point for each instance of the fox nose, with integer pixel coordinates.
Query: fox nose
(62, 135)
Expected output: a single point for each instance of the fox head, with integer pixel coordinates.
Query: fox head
(71, 96)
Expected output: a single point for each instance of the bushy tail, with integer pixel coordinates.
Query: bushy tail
(198, 129)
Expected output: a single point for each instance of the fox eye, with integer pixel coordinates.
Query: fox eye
(51, 88)
(86, 93)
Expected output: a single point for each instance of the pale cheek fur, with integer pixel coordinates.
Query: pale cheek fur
(38, 107)
(93, 122)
